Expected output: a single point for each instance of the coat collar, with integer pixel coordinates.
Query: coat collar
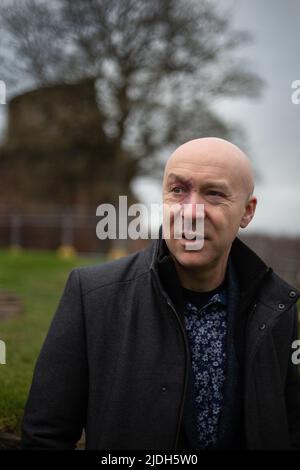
(256, 279)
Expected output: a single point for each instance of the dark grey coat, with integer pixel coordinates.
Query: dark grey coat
(116, 360)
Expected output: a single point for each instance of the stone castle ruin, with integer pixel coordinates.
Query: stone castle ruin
(56, 159)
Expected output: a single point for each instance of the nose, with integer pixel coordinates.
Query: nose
(193, 214)
(193, 207)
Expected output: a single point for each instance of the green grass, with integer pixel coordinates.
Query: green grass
(39, 278)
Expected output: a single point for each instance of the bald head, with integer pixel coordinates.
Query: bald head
(215, 176)
(214, 152)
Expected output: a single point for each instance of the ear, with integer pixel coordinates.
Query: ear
(248, 212)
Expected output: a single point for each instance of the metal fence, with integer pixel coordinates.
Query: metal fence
(50, 231)
(53, 230)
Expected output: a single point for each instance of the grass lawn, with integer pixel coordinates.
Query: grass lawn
(39, 278)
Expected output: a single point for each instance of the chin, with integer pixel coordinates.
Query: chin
(192, 259)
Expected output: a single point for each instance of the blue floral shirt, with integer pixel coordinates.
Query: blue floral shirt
(207, 330)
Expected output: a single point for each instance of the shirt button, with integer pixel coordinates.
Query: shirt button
(164, 389)
(281, 306)
(292, 294)
(262, 326)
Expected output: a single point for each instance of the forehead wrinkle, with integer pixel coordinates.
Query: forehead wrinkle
(210, 179)
(210, 182)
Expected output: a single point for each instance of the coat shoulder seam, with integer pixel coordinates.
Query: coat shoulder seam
(114, 282)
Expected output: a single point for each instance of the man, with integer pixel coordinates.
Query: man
(174, 347)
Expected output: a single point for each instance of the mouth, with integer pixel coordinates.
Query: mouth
(188, 237)
(192, 237)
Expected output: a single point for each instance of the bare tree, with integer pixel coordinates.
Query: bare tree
(158, 65)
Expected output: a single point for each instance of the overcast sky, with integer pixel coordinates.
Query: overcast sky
(272, 123)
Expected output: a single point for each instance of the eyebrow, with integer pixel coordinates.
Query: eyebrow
(207, 184)
(181, 179)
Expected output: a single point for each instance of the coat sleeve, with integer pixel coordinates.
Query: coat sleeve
(56, 407)
(292, 391)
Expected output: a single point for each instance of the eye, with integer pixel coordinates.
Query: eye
(216, 193)
(215, 196)
(177, 190)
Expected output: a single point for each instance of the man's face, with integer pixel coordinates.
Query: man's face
(218, 185)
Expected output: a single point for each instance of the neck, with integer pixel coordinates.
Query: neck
(202, 279)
